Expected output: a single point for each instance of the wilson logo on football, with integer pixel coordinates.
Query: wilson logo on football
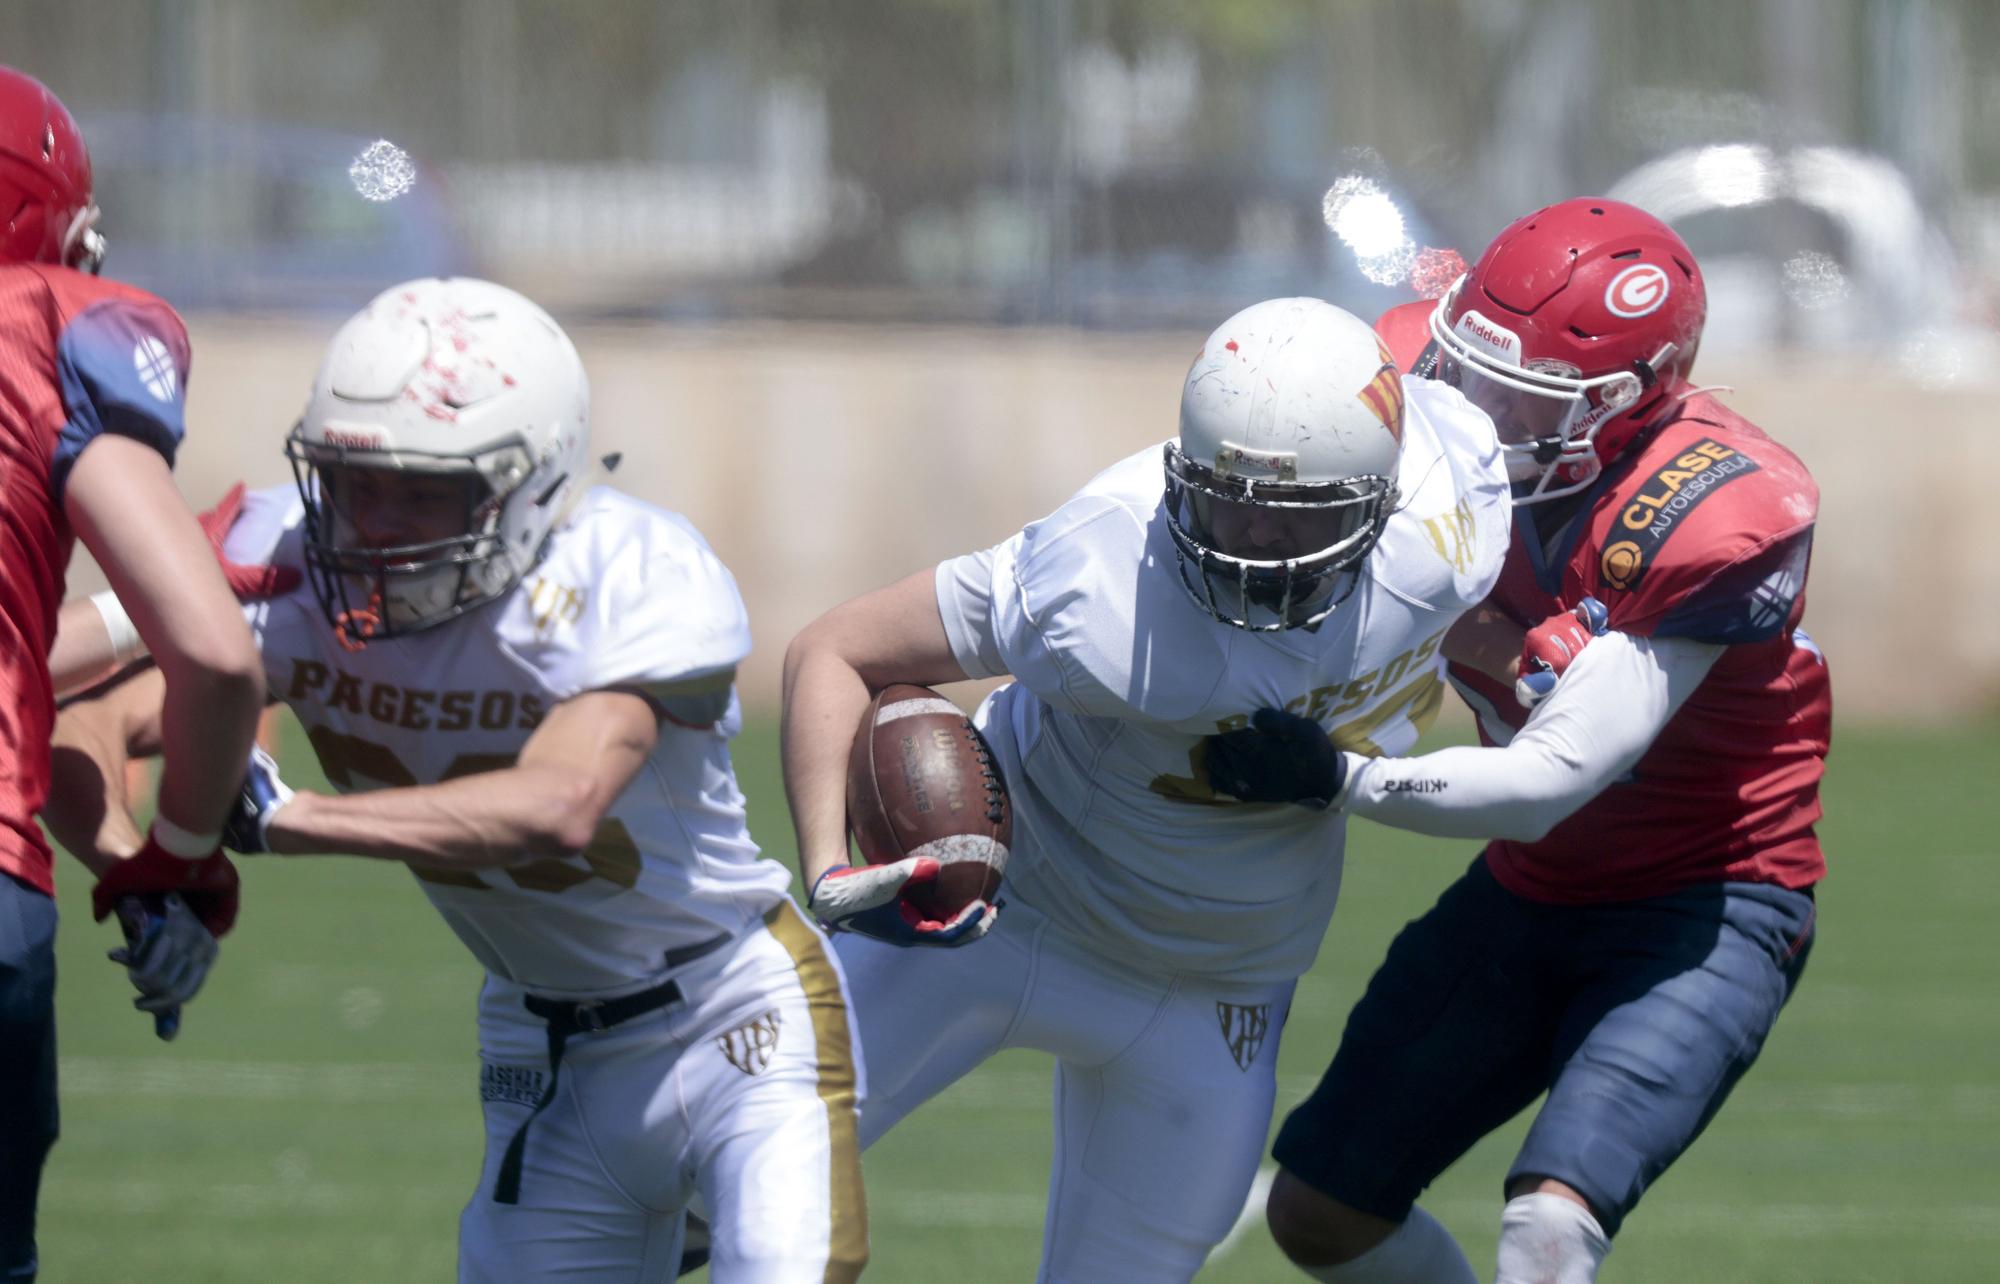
(1637, 291)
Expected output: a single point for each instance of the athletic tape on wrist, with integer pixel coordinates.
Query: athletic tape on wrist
(126, 644)
(184, 843)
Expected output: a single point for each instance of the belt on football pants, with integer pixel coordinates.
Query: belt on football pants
(568, 1017)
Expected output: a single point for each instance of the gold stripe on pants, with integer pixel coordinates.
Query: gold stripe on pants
(847, 1251)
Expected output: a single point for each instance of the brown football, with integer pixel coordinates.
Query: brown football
(922, 782)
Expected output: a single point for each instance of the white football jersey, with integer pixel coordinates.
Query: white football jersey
(626, 595)
(1119, 676)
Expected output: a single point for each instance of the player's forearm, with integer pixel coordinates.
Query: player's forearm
(208, 721)
(88, 812)
(1517, 793)
(832, 670)
(824, 699)
(1487, 640)
(123, 503)
(1605, 713)
(484, 821)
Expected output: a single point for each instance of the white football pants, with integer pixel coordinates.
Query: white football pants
(1163, 1085)
(745, 1091)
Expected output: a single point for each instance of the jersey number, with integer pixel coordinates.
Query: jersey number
(611, 856)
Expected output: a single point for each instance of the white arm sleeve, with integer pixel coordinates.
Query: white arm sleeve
(1601, 718)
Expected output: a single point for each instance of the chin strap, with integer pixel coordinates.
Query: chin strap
(353, 628)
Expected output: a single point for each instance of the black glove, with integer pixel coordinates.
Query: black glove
(1279, 758)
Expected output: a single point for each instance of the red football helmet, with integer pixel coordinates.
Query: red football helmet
(1576, 331)
(44, 180)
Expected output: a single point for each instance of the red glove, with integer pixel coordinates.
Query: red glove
(209, 885)
(1553, 644)
(249, 583)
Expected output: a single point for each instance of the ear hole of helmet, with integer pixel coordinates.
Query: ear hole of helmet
(83, 245)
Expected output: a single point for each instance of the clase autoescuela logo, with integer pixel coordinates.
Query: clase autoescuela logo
(1662, 503)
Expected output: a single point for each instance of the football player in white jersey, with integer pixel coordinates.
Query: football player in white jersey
(1319, 525)
(522, 688)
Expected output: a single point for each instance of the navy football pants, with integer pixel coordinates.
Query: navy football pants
(1636, 1017)
(27, 1066)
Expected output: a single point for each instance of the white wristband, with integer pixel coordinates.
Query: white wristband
(126, 644)
(184, 843)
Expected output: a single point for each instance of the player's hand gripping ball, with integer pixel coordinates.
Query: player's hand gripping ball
(922, 787)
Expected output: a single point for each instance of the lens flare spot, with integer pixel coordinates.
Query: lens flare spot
(1434, 271)
(1734, 174)
(1933, 359)
(1369, 223)
(1364, 218)
(1815, 281)
(383, 171)
(361, 1007)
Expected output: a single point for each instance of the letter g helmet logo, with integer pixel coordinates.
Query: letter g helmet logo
(1637, 291)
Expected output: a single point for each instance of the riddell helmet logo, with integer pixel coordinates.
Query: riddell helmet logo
(1496, 340)
(355, 440)
(1638, 291)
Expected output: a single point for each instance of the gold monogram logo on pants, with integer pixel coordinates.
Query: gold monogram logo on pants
(749, 1047)
(1243, 1030)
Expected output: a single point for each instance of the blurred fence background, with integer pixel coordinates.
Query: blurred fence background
(866, 282)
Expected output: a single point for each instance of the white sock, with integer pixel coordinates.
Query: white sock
(1421, 1251)
(1547, 1239)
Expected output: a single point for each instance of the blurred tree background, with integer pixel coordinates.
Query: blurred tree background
(1119, 163)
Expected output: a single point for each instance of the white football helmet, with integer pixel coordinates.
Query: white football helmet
(1285, 471)
(451, 378)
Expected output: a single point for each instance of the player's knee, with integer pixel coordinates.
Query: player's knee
(1547, 1238)
(1313, 1229)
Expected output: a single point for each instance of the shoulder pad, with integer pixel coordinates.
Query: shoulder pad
(1064, 608)
(1454, 514)
(1704, 504)
(122, 366)
(1405, 330)
(628, 595)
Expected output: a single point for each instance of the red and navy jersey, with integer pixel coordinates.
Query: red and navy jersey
(79, 357)
(1702, 532)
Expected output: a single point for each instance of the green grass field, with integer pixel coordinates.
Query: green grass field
(318, 1119)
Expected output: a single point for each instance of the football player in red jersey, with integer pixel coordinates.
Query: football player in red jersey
(1645, 908)
(92, 381)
